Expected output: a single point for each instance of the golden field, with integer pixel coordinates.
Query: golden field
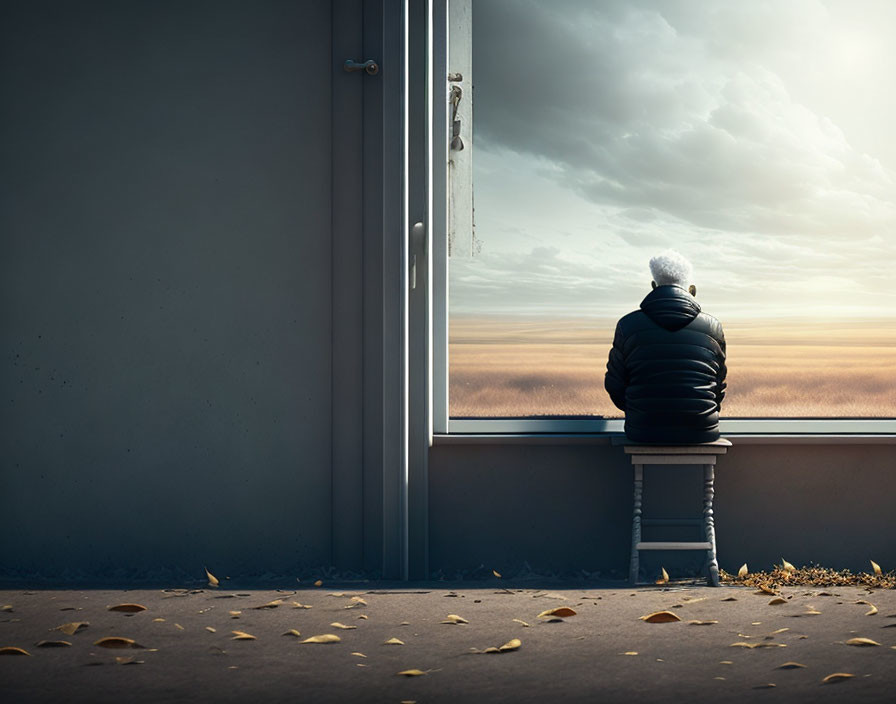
(778, 368)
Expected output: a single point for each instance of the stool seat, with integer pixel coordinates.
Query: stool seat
(704, 454)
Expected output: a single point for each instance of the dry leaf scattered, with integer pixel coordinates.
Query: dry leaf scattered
(776, 601)
(12, 650)
(291, 632)
(71, 628)
(743, 571)
(496, 573)
(128, 608)
(836, 677)
(336, 624)
(53, 644)
(660, 617)
(790, 666)
(875, 567)
(318, 583)
(812, 576)
(559, 612)
(325, 638)
(664, 576)
(117, 642)
(393, 641)
(862, 642)
(6, 607)
(411, 673)
(521, 622)
(701, 623)
(872, 611)
(270, 605)
(212, 580)
(242, 635)
(454, 618)
(210, 629)
(360, 655)
(787, 566)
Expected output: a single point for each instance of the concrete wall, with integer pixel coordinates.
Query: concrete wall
(568, 508)
(165, 273)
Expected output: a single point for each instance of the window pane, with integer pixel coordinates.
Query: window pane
(754, 138)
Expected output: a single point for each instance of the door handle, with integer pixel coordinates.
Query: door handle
(370, 66)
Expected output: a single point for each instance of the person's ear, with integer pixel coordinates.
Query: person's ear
(692, 289)
(653, 284)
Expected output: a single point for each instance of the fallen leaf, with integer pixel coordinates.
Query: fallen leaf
(12, 650)
(496, 573)
(875, 567)
(741, 644)
(128, 608)
(513, 644)
(297, 605)
(360, 655)
(158, 620)
(393, 641)
(730, 598)
(359, 600)
(836, 677)
(234, 614)
(212, 580)
(743, 572)
(630, 652)
(411, 673)
(71, 628)
(53, 644)
(210, 629)
(405, 623)
(270, 605)
(325, 638)
(336, 624)
(862, 642)
(726, 662)
(242, 635)
(117, 642)
(454, 618)
(127, 660)
(664, 576)
(872, 610)
(787, 566)
(701, 623)
(660, 617)
(790, 666)
(291, 632)
(336, 594)
(318, 583)
(520, 621)
(178, 627)
(6, 607)
(364, 616)
(777, 600)
(765, 589)
(560, 612)
(767, 685)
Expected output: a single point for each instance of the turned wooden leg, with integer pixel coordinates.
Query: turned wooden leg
(636, 524)
(709, 491)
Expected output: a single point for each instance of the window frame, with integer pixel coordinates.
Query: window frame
(456, 16)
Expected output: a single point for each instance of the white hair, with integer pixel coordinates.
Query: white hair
(670, 267)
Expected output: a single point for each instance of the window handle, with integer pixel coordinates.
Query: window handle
(418, 243)
(370, 66)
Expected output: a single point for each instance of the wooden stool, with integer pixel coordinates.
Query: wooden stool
(703, 454)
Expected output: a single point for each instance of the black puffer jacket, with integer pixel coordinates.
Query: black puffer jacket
(667, 370)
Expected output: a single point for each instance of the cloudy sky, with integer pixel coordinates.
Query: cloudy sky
(755, 137)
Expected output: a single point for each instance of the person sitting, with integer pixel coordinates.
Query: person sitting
(666, 369)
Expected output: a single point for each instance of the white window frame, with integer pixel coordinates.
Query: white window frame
(456, 15)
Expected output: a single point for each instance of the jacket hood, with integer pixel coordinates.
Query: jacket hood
(670, 307)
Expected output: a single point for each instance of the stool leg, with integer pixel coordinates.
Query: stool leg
(636, 524)
(709, 491)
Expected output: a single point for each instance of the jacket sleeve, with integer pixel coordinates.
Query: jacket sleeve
(616, 380)
(723, 370)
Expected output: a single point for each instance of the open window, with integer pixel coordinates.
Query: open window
(754, 139)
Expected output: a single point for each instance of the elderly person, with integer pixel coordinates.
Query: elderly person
(667, 366)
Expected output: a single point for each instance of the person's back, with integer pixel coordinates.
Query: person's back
(666, 369)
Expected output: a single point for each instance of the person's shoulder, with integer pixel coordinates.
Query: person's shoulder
(712, 323)
(630, 320)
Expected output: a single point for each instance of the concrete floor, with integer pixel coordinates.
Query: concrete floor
(605, 653)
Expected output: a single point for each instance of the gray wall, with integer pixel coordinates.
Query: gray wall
(166, 273)
(568, 508)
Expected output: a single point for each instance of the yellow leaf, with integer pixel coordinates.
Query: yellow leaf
(664, 576)
(71, 628)
(630, 652)
(787, 566)
(777, 600)
(872, 610)
(318, 583)
(497, 574)
(765, 589)
(560, 611)
(875, 567)
(128, 608)
(394, 641)
(359, 600)
(234, 614)
(178, 627)
(493, 649)
(270, 605)
(512, 644)
(127, 660)
(743, 571)
(12, 650)
(336, 624)
(210, 629)
(411, 673)
(116, 642)
(360, 655)
(242, 635)
(520, 621)
(325, 638)
(790, 666)
(837, 677)
(660, 617)
(297, 605)
(6, 607)
(336, 594)
(291, 632)
(212, 580)
(730, 598)
(862, 642)
(364, 616)
(741, 644)
(158, 620)
(52, 644)
(701, 623)
(454, 618)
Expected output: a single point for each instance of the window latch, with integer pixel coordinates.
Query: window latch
(457, 144)
(370, 66)
(418, 244)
